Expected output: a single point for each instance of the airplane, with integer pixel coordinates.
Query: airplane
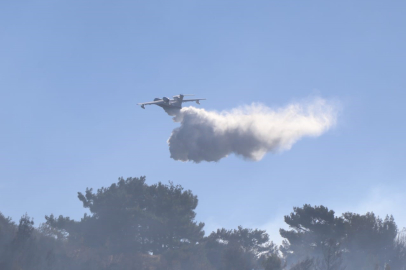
(171, 106)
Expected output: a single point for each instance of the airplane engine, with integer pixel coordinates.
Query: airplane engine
(166, 99)
(156, 99)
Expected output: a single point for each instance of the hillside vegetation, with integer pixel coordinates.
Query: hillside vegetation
(134, 226)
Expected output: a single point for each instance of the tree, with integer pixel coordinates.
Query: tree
(24, 230)
(21, 252)
(332, 255)
(310, 228)
(186, 258)
(306, 264)
(7, 234)
(131, 216)
(172, 222)
(7, 231)
(272, 262)
(369, 238)
(362, 241)
(398, 260)
(234, 257)
(240, 248)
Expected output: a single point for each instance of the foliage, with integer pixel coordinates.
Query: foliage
(306, 264)
(310, 228)
(239, 248)
(7, 231)
(272, 262)
(361, 241)
(135, 226)
(131, 216)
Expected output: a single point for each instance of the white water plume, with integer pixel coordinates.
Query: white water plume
(249, 131)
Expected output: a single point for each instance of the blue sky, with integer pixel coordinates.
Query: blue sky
(71, 73)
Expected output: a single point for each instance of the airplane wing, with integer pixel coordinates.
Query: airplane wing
(149, 103)
(196, 100)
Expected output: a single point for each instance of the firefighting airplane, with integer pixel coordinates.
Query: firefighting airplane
(171, 106)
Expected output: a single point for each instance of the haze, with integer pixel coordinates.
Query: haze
(71, 73)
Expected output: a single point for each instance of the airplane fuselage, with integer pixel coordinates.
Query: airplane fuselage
(171, 106)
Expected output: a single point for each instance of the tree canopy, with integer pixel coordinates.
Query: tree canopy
(130, 216)
(131, 225)
(360, 240)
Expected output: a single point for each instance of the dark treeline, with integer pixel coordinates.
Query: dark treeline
(133, 225)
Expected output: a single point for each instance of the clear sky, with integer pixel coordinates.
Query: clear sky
(71, 73)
